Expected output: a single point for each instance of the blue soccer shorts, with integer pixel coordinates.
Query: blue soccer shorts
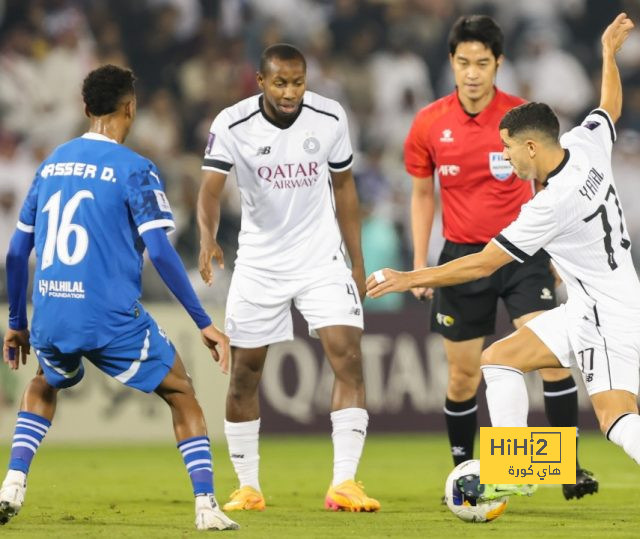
(139, 358)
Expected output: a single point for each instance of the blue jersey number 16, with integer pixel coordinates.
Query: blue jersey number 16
(57, 241)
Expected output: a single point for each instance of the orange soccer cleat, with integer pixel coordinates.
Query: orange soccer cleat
(245, 499)
(350, 496)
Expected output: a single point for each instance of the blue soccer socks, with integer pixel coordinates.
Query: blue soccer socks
(30, 430)
(196, 453)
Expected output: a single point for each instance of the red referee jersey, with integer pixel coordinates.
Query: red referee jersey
(479, 191)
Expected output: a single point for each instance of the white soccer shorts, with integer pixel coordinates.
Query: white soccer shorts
(258, 309)
(608, 357)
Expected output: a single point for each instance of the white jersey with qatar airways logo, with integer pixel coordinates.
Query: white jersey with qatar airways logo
(578, 220)
(289, 223)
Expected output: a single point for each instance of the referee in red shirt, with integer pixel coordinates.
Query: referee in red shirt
(457, 139)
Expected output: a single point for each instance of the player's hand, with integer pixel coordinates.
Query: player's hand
(421, 293)
(357, 272)
(16, 347)
(616, 33)
(218, 343)
(209, 249)
(386, 280)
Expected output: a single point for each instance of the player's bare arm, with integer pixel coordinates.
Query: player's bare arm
(208, 222)
(612, 39)
(422, 211)
(16, 347)
(348, 214)
(461, 270)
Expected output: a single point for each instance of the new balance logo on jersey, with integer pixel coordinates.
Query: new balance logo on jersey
(448, 170)
(446, 136)
(546, 294)
(61, 289)
(264, 150)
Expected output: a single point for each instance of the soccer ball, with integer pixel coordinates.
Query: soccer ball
(461, 493)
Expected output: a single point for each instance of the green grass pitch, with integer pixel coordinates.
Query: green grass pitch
(143, 491)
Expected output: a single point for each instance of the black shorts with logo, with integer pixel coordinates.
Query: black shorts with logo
(468, 310)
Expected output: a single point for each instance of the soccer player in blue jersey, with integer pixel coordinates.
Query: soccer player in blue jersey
(93, 208)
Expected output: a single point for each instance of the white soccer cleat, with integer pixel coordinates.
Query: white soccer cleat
(209, 516)
(12, 494)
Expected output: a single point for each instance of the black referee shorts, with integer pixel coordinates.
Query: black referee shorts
(468, 310)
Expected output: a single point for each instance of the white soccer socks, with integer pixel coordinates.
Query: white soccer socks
(507, 397)
(625, 432)
(242, 440)
(349, 433)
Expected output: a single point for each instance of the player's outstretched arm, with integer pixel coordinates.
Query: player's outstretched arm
(208, 222)
(348, 215)
(16, 339)
(461, 270)
(170, 267)
(612, 39)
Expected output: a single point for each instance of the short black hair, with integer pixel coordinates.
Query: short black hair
(531, 117)
(282, 51)
(480, 28)
(104, 88)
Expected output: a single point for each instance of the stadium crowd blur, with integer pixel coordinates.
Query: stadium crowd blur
(383, 60)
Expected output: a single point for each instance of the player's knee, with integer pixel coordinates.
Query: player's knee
(491, 355)
(347, 365)
(463, 383)
(244, 380)
(186, 386)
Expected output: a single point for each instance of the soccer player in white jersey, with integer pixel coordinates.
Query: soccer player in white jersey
(577, 218)
(293, 158)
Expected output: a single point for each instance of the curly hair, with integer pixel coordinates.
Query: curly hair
(104, 87)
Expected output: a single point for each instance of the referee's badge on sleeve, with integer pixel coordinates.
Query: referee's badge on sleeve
(500, 168)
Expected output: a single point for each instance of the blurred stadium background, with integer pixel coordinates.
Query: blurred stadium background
(383, 60)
